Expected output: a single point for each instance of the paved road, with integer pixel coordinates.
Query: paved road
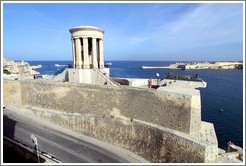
(64, 147)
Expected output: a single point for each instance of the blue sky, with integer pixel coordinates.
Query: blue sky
(158, 31)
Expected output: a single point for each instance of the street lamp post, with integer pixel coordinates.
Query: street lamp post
(157, 78)
(35, 141)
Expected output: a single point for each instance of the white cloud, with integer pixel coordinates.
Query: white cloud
(209, 24)
(206, 25)
(206, 31)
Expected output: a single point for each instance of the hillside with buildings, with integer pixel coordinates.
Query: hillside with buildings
(208, 65)
(22, 67)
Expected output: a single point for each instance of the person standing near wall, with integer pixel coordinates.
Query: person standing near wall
(149, 83)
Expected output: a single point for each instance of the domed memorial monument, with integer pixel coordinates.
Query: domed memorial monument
(88, 58)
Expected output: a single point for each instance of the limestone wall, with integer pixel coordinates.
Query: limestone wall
(12, 94)
(152, 142)
(88, 76)
(183, 83)
(165, 108)
(161, 126)
(188, 103)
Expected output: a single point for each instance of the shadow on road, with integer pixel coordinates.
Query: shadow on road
(13, 151)
(8, 127)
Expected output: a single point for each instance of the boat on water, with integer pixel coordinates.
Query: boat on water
(108, 64)
(57, 65)
(36, 67)
(155, 67)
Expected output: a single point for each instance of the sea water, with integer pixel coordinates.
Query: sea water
(222, 99)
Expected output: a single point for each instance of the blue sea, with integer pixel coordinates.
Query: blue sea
(224, 91)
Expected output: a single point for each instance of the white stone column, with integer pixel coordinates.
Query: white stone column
(73, 52)
(101, 59)
(86, 55)
(94, 54)
(78, 53)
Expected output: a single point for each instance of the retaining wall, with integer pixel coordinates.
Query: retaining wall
(161, 126)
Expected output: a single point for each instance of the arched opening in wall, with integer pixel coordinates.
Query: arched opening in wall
(98, 53)
(90, 51)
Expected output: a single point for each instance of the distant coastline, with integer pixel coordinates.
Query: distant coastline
(201, 65)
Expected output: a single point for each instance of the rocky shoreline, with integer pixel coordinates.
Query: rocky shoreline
(21, 70)
(22, 67)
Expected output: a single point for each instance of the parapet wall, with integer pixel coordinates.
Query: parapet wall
(161, 126)
(164, 108)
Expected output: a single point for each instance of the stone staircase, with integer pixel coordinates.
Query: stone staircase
(62, 75)
(106, 78)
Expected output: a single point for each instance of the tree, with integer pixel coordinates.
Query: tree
(5, 71)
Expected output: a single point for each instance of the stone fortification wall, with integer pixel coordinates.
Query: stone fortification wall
(161, 126)
(12, 93)
(208, 65)
(152, 142)
(165, 108)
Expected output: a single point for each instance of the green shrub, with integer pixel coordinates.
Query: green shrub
(5, 71)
